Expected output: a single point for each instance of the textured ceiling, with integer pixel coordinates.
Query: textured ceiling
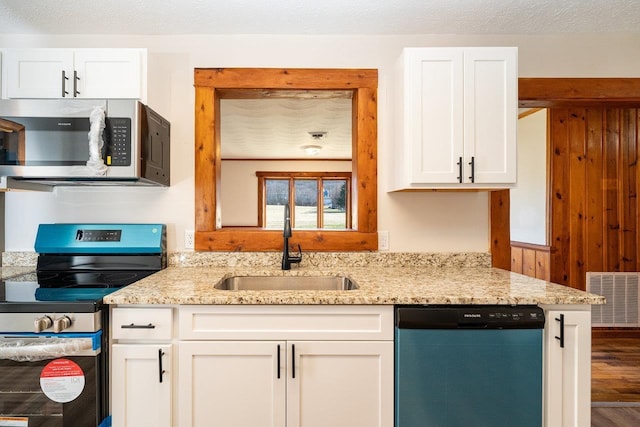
(281, 128)
(317, 16)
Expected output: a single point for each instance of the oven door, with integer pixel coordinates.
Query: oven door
(52, 380)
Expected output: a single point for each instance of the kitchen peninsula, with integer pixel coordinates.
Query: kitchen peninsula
(417, 279)
(204, 340)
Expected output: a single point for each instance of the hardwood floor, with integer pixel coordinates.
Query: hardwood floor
(615, 382)
(615, 417)
(615, 370)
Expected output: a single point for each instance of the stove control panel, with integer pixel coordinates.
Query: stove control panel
(98, 235)
(103, 239)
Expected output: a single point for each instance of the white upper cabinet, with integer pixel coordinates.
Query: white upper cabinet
(37, 73)
(74, 73)
(457, 118)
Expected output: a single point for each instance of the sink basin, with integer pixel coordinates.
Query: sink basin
(286, 283)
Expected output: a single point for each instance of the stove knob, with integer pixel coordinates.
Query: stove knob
(42, 323)
(61, 323)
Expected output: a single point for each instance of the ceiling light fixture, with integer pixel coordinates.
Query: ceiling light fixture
(312, 150)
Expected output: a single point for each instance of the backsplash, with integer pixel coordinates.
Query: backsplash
(332, 259)
(309, 259)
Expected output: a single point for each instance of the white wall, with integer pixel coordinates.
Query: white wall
(529, 198)
(239, 190)
(416, 222)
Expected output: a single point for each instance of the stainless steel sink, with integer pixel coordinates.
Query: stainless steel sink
(286, 283)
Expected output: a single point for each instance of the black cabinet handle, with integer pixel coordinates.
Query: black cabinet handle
(134, 326)
(278, 361)
(293, 360)
(472, 163)
(160, 370)
(561, 337)
(64, 84)
(459, 169)
(75, 84)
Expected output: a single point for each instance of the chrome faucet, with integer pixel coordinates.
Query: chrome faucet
(287, 259)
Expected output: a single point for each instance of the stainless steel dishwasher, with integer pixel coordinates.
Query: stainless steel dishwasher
(468, 366)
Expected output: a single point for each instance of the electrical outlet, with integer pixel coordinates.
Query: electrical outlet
(383, 240)
(189, 239)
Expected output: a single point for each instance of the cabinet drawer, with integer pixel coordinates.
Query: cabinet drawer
(142, 323)
(337, 322)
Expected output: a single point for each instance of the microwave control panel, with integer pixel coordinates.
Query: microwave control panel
(117, 147)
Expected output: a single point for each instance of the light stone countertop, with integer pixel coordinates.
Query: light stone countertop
(8, 272)
(382, 277)
(377, 285)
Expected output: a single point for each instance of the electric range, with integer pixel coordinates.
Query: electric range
(54, 321)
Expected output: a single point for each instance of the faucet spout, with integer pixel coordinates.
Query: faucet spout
(288, 259)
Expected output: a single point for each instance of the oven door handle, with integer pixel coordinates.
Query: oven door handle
(32, 349)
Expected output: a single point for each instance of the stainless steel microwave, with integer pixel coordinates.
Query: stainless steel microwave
(48, 142)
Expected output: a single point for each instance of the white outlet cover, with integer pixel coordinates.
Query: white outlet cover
(189, 239)
(383, 240)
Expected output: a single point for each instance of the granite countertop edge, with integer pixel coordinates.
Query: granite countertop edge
(377, 286)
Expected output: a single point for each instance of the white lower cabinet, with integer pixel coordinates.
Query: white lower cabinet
(315, 384)
(286, 372)
(231, 384)
(342, 384)
(141, 370)
(298, 366)
(567, 366)
(141, 389)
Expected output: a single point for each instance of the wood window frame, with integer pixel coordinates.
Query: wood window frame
(291, 177)
(212, 84)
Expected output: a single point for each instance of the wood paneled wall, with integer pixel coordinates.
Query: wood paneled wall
(531, 260)
(593, 192)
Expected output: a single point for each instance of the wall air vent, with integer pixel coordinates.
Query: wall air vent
(621, 292)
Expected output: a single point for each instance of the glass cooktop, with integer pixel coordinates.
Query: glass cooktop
(68, 292)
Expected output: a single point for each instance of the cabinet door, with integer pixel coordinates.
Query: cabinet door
(340, 384)
(108, 73)
(568, 369)
(232, 383)
(490, 114)
(38, 73)
(140, 394)
(434, 114)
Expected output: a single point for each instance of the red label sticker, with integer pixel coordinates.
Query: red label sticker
(62, 380)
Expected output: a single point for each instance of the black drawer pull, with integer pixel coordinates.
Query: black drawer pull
(134, 326)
